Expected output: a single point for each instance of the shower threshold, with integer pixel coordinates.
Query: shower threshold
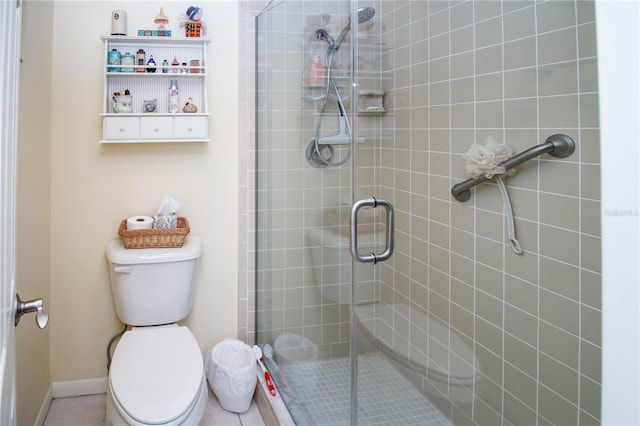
(318, 393)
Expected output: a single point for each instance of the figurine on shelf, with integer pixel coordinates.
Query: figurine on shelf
(161, 19)
(193, 23)
(190, 107)
(151, 64)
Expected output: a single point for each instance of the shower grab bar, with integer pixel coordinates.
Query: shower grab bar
(559, 146)
(372, 257)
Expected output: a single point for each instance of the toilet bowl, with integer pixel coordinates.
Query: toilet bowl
(156, 376)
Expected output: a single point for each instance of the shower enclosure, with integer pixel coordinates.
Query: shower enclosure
(358, 161)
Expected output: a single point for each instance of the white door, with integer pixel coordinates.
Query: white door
(10, 20)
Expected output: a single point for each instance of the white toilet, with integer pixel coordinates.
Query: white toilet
(157, 374)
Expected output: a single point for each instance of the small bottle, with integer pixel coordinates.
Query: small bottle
(140, 60)
(151, 64)
(165, 66)
(183, 70)
(175, 66)
(128, 61)
(114, 58)
(174, 99)
(316, 72)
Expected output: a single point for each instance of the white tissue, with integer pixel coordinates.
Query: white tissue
(168, 206)
(165, 216)
(139, 222)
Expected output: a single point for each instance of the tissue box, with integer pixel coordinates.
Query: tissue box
(165, 222)
(154, 238)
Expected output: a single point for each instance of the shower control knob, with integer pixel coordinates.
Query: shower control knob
(326, 152)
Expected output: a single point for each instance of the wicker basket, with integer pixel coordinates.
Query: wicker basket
(154, 238)
(192, 29)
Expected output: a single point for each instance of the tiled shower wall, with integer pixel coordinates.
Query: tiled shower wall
(518, 71)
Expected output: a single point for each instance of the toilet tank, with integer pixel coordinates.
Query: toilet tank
(153, 286)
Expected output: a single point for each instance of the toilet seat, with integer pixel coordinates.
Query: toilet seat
(156, 373)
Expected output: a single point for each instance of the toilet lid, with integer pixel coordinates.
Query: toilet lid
(156, 373)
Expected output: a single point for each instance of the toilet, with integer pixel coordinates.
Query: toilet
(157, 374)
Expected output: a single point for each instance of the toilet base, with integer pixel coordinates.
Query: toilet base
(116, 417)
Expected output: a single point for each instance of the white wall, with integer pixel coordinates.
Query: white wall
(619, 73)
(94, 187)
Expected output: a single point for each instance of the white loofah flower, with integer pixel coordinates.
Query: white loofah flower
(484, 159)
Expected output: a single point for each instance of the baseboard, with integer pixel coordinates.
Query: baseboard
(79, 387)
(44, 408)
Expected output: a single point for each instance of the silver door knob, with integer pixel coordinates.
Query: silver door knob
(35, 305)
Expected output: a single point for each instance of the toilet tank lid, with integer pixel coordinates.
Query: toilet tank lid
(191, 249)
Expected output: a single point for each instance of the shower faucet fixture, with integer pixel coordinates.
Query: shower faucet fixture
(319, 150)
(364, 14)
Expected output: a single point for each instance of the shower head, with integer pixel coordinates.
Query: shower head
(364, 14)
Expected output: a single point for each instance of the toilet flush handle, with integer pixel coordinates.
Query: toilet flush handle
(122, 269)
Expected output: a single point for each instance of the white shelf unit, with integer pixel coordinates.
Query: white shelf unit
(160, 126)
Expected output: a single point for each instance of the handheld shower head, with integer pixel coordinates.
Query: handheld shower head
(322, 34)
(365, 14)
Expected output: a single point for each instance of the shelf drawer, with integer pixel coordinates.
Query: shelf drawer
(190, 127)
(121, 128)
(156, 128)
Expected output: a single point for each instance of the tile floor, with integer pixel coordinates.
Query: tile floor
(90, 411)
(318, 393)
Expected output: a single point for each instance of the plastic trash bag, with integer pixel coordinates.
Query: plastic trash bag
(231, 371)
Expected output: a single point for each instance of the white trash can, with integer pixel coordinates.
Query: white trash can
(231, 371)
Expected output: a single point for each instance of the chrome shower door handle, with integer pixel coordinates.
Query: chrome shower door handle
(372, 257)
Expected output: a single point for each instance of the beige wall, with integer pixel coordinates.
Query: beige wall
(34, 204)
(93, 187)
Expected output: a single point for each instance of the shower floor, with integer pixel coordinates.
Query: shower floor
(319, 394)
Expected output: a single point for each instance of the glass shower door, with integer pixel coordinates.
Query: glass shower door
(318, 135)
(304, 197)
(454, 319)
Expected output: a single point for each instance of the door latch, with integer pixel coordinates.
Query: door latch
(35, 305)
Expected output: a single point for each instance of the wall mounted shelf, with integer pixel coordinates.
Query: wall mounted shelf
(138, 125)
